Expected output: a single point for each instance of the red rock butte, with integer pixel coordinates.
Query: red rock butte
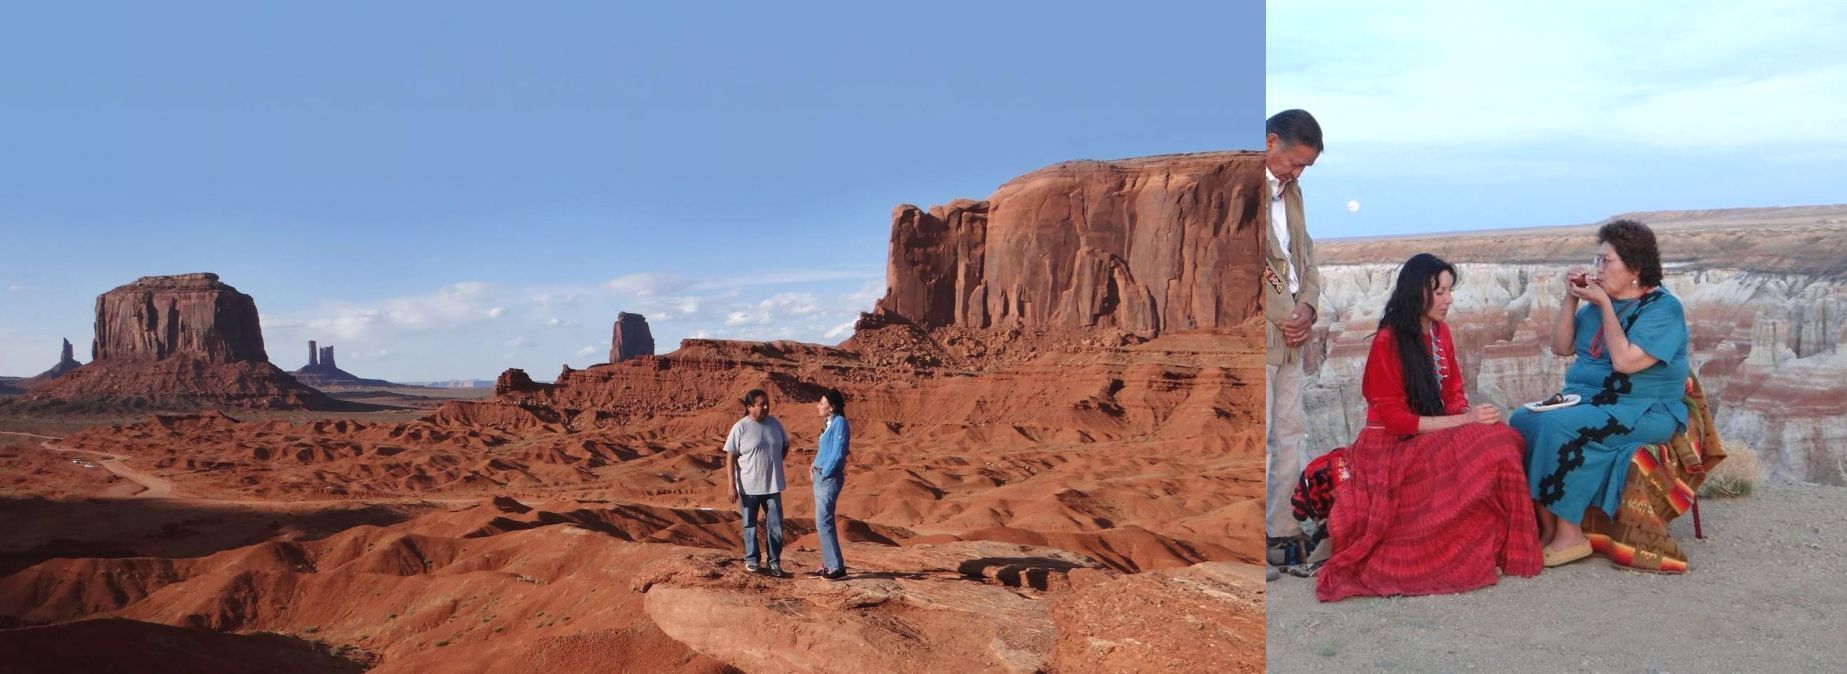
(1147, 245)
(630, 338)
(180, 341)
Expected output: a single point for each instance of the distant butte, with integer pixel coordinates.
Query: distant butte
(67, 362)
(322, 373)
(180, 341)
(631, 338)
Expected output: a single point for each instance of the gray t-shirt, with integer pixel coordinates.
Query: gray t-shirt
(759, 447)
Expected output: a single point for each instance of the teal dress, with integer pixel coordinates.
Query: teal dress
(1577, 457)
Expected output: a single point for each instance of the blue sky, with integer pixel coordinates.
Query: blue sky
(1462, 116)
(444, 190)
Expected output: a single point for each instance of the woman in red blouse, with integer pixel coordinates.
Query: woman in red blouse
(1436, 501)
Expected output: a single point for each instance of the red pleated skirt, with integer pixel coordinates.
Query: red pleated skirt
(1434, 513)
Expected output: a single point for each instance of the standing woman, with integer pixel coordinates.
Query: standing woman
(1435, 501)
(829, 472)
(1630, 376)
(754, 453)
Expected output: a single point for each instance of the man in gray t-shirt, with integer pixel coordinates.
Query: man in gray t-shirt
(754, 453)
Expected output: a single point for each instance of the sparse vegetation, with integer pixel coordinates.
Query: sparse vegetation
(1734, 477)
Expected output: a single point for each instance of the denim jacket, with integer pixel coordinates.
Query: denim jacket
(831, 460)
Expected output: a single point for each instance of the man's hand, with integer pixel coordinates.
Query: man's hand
(1300, 325)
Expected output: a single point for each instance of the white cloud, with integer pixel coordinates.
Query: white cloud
(868, 294)
(791, 304)
(588, 350)
(520, 343)
(556, 322)
(450, 307)
(789, 277)
(346, 323)
(648, 284)
(16, 288)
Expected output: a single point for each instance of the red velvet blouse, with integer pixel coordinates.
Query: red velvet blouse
(1383, 383)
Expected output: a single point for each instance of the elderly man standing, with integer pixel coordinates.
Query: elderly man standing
(1292, 284)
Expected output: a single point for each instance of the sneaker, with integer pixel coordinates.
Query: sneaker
(1287, 551)
(1270, 573)
(840, 574)
(776, 571)
(752, 566)
(817, 573)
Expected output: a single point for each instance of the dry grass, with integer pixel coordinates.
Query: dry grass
(1736, 476)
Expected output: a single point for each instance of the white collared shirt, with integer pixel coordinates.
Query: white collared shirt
(1279, 223)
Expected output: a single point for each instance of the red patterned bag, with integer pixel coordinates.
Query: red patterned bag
(1314, 493)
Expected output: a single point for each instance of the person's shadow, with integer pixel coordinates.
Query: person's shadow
(1033, 572)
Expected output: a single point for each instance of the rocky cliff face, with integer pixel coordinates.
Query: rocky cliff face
(1149, 245)
(180, 341)
(1764, 290)
(185, 315)
(630, 338)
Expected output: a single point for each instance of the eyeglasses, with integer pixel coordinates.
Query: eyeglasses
(1599, 263)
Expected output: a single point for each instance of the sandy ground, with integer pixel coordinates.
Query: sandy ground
(1767, 592)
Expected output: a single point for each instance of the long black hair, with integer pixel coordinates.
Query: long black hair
(1404, 314)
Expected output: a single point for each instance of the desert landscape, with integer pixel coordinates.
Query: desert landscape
(1056, 467)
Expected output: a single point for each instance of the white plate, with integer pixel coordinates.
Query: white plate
(1570, 399)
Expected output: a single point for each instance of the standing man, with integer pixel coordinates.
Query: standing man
(1292, 285)
(754, 454)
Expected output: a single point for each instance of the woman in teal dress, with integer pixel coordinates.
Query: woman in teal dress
(1630, 339)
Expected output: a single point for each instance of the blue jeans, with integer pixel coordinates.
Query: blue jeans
(771, 505)
(826, 492)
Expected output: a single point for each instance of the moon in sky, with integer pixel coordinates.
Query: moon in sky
(1353, 207)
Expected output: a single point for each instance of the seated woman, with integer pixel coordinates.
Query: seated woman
(1435, 502)
(1630, 376)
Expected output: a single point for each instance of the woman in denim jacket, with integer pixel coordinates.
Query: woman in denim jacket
(829, 471)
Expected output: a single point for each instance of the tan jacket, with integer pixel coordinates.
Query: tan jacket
(1277, 302)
